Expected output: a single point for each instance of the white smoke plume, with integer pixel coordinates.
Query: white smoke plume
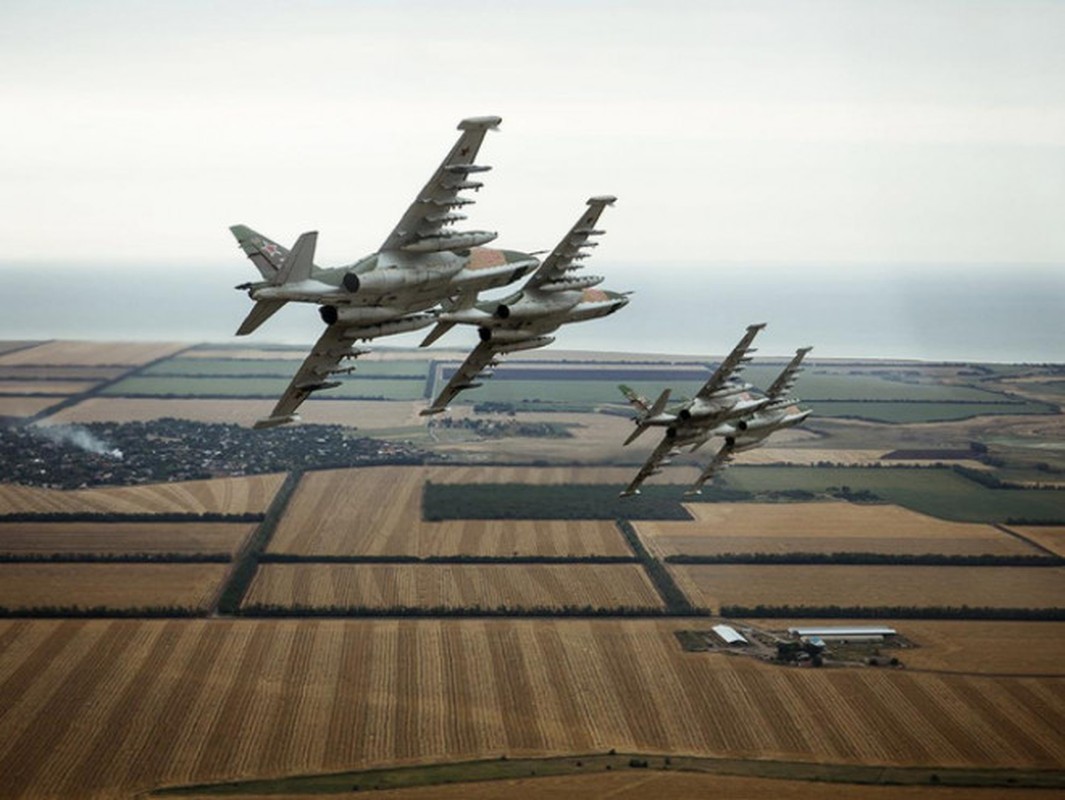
(79, 437)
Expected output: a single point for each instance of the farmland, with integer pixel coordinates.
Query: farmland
(935, 491)
(714, 585)
(94, 708)
(489, 587)
(49, 387)
(112, 586)
(256, 367)
(377, 511)
(1052, 537)
(243, 495)
(828, 527)
(126, 538)
(22, 406)
(69, 353)
(185, 386)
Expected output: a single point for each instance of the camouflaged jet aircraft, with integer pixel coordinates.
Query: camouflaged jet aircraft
(550, 298)
(723, 407)
(422, 262)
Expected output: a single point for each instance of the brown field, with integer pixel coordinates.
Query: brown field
(44, 387)
(1052, 537)
(250, 494)
(109, 585)
(116, 707)
(378, 511)
(16, 344)
(720, 528)
(122, 537)
(17, 406)
(778, 585)
(486, 586)
(82, 373)
(91, 353)
(644, 784)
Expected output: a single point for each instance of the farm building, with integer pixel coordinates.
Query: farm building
(865, 633)
(730, 635)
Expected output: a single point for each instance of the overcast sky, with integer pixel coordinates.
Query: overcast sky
(850, 137)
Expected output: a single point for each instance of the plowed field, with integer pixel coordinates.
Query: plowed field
(714, 585)
(457, 586)
(378, 511)
(109, 585)
(720, 528)
(251, 494)
(122, 537)
(19, 406)
(106, 708)
(8, 387)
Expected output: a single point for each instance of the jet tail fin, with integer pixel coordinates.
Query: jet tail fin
(260, 312)
(642, 422)
(267, 255)
(300, 262)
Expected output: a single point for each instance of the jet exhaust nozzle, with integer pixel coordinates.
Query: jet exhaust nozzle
(503, 311)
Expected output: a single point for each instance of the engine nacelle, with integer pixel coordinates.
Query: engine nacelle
(384, 281)
(505, 335)
(412, 323)
(532, 308)
(757, 424)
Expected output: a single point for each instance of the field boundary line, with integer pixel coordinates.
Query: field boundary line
(1025, 539)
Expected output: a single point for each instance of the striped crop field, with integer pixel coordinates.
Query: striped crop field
(31, 387)
(43, 538)
(109, 708)
(378, 511)
(130, 354)
(242, 495)
(114, 586)
(453, 586)
(714, 585)
(829, 527)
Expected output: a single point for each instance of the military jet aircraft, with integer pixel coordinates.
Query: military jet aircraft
(422, 262)
(723, 407)
(550, 298)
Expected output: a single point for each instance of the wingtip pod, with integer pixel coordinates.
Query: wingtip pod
(602, 200)
(628, 492)
(428, 412)
(480, 123)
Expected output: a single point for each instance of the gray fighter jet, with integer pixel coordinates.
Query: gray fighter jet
(550, 298)
(422, 262)
(724, 407)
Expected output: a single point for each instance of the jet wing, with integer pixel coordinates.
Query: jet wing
(568, 253)
(658, 456)
(313, 375)
(720, 460)
(785, 382)
(432, 211)
(732, 365)
(486, 354)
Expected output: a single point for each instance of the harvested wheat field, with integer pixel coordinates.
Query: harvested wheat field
(22, 406)
(62, 388)
(132, 354)
(715, 585)
(642, 784)
(36, 585)
(1052, 537)
(188, 538)
(378, 511)
(453, 586)
(116, 707)
(720, 528)
(244, 495)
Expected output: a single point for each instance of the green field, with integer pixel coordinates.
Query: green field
(940, 492)
(233, 367)
(904, 412)
(351, 388)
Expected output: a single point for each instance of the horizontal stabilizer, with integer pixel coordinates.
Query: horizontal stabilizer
(273, 422)
(260, 312)
(439, 330)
